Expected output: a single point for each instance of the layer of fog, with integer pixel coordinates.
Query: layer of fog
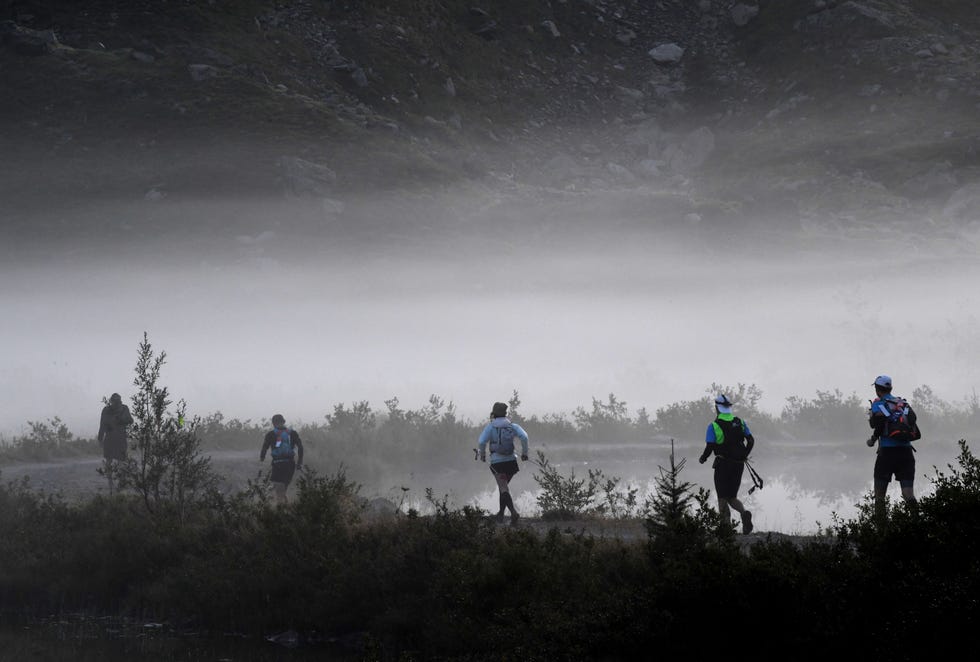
(296, 325)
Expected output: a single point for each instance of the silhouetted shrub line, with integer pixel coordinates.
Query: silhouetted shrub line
(454, 585)
(396, 436)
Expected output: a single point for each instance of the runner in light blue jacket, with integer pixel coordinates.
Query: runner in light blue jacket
(499, 434)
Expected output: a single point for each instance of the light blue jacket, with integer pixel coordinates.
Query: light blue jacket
(490, 430)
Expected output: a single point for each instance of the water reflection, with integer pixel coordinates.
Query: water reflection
(805, 485)
(782, 506)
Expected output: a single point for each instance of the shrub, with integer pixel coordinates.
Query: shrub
(168, 468)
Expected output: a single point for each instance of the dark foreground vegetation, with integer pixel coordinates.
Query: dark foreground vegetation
(456, 585)
(167, 544)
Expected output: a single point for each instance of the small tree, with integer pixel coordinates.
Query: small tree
(168, 467)
(669, 517)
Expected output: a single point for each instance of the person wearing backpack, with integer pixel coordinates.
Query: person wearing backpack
(286, 448)
(895, 428)
(112, 428)
(499, 434)
(731, 441)
(113, 424)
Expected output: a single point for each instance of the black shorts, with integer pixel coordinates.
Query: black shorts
(508, 468)
(895, 460)
(282, 471)
(728, 477)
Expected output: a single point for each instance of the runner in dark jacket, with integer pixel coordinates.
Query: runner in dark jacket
(112, 428)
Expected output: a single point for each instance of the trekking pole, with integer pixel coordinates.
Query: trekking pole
(756, 478)
(476, 454)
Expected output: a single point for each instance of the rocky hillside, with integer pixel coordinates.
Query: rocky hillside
(816, 117)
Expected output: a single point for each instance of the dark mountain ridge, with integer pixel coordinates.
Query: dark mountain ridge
(820, 118)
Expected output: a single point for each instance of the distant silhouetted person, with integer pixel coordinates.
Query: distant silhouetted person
(500, 433)
(112, 435)
(112, 429)
(731, 441)
(895, 428)
(286, 448)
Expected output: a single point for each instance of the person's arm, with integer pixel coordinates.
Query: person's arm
(709, 444)
(749, 439)
(522, 435)
(103, 428)
(266, 445)
(482, 443)
(299, 448)
(877, 418)
(126, 418)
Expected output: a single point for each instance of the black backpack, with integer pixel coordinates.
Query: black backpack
(900, 425)
(733, 444)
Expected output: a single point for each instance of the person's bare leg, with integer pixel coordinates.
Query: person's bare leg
(736, 505)
(881, 510)
(279, 490)
(503, 488)
(724, 513)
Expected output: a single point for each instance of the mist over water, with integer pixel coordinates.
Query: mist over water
(297, 321)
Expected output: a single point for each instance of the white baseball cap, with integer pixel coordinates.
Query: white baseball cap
(723, 404)
(883, 380)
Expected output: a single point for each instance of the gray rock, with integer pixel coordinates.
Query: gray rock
(140, 56)
(450, 87)
(629, 93)
(690, 153)
(359, 77)
(741, 14)
(667, 53)
(620, 173)
(551, 27)
(625, 37)
(302, 178)
(650, 168)
(201, 72)
(853, 19)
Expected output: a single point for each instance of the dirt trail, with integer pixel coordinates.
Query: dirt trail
(79, 477)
